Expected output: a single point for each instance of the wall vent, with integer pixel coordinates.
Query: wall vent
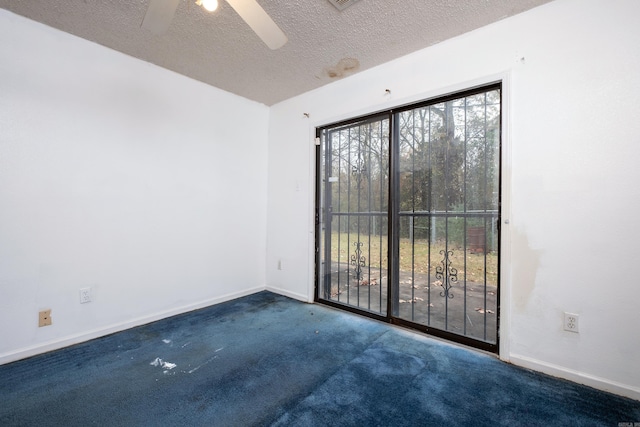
(342, 4)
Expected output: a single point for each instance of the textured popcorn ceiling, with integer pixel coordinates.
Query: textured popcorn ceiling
(324, 44)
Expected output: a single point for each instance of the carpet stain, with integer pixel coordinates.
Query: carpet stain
(167, 366)
(191, 371)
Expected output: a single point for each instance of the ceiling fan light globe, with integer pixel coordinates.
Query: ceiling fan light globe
(210, 5)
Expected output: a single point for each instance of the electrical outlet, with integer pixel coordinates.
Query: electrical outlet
(44, 318)
(85, 295)
(571, 322)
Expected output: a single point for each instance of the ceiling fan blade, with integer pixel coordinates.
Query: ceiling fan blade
(261, 23)
(159, 15)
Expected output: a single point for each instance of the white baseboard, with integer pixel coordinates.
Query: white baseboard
(523, 361)
(118, 327)
(599, 383)
(294, 295)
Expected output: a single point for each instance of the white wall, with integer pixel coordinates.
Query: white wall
(115, 174)
(118, 175)
(572, 143)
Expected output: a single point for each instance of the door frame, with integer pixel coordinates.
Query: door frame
(502, 347)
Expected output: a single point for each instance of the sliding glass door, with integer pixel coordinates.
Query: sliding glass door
(408, 216)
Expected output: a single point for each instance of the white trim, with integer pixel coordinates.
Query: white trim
(395, 103)
(286, 293)
(577, 376)
(118, 327)
(504, 328)
(311, 232)
(505, 251)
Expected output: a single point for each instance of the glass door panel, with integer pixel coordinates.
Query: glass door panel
(449, 210)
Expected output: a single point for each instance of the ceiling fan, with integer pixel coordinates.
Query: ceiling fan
(160, 14)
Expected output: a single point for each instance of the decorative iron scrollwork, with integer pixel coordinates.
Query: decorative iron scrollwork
(358, 260)
(446, 274)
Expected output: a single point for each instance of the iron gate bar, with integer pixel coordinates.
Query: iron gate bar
(458, 214)
(446, 265)
(449, 214)
(369, 196)
(339, 201)
(485, 280)
(348, 130)
(381, 206)
(362, 170)
(356, 214)
(330, 187)
(485, 219)
(446, 220)
(393, 273)
(357, 175)
(465, 316)
(413, 209)
(429, 208)
(369, 219)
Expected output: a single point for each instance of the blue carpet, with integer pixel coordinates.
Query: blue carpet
(268, 360)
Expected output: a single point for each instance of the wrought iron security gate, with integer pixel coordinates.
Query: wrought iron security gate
(354, 223)
(408, 211)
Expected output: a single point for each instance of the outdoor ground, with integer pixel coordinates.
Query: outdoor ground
(468, 311)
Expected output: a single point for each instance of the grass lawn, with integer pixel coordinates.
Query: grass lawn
(416, 255)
